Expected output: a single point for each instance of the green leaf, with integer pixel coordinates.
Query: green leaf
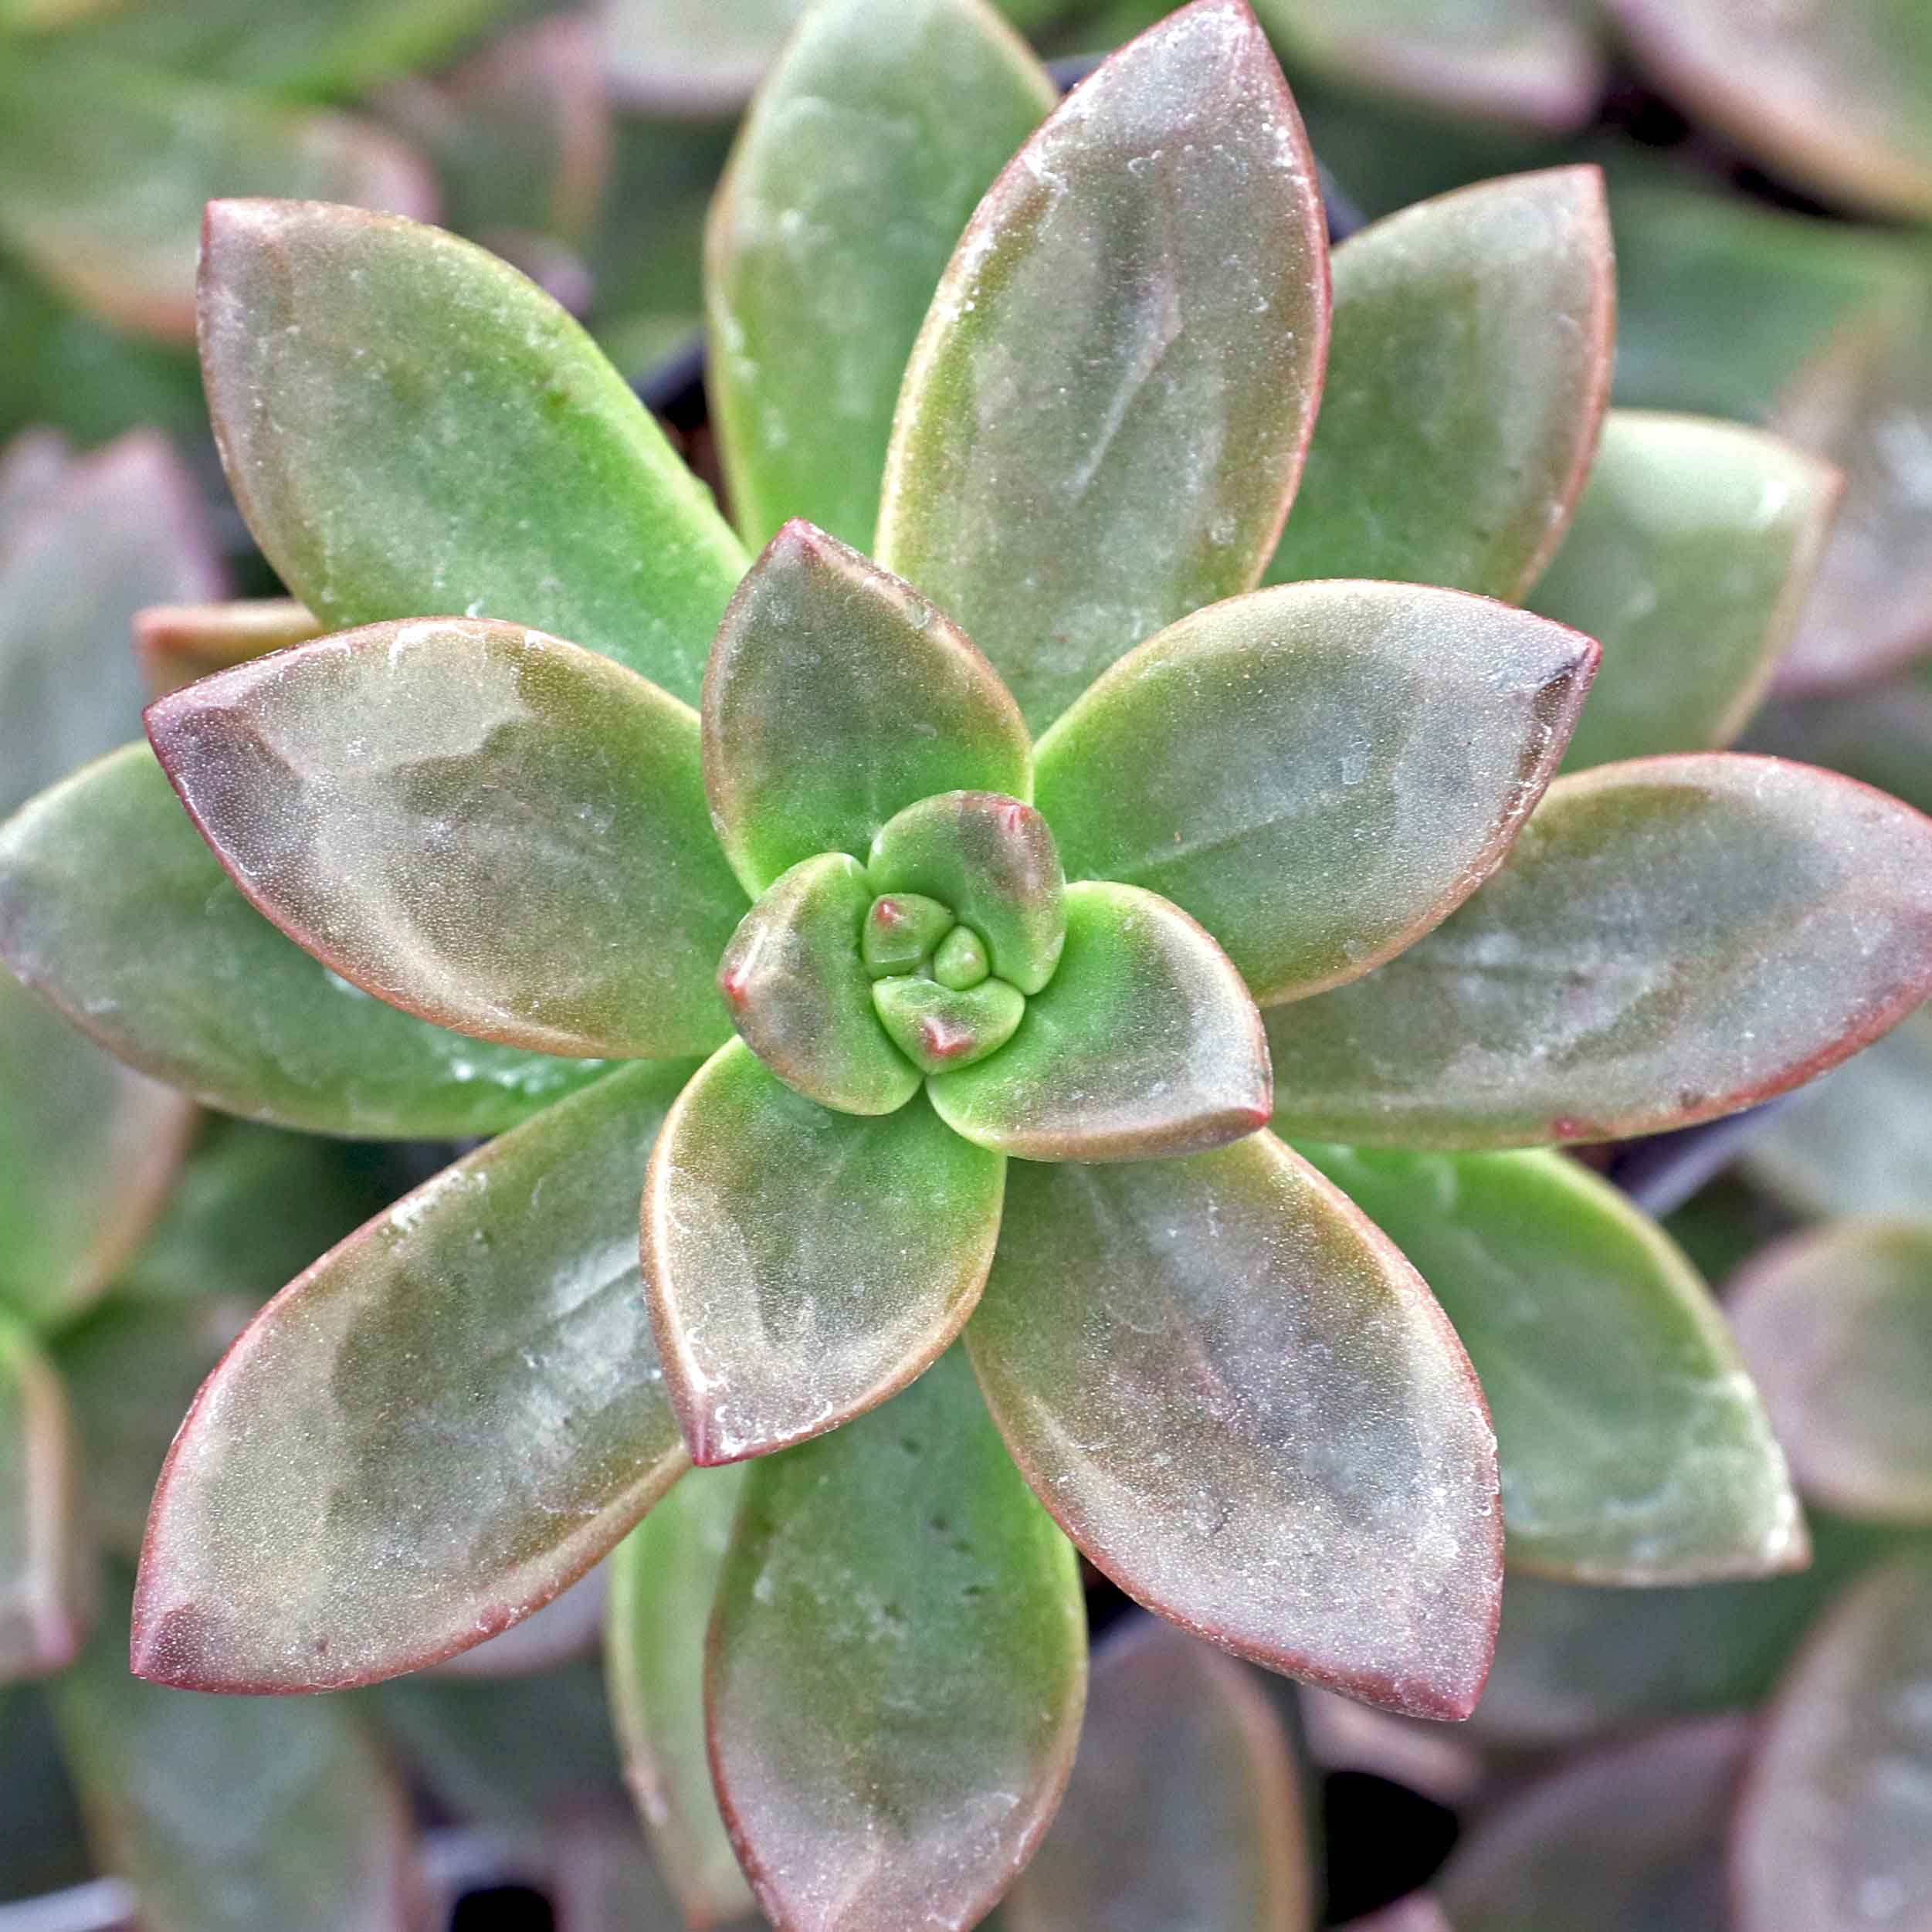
(340, 1505)
(1860, 1141)
(87, 1153)
(867, 149)
(991, 861)
(105, 169)
(1184, 1808)
(1320, 773)
(1471, 366)
(1669, 940)
(410, 427)
(119, 528)
(801, 1264)
(1831, 1833)
(822, 651)
(1836, 1323)
(1865, 400)
(177, 643)
(1242, 1403)
(482, 826)
(1633, 1835)
(1105, 416)
(940, 1027)
(1536, 62)
(1145, 1043)
(230, 1814)
(1880, 734)
(897, 1663)
(802, 1001)
(111, 904)
(1634, 1449)
(43, 1565)
(1839, 100)
(664, 1579)
(1689, 561)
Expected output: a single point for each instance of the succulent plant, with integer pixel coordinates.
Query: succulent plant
(1009, 860)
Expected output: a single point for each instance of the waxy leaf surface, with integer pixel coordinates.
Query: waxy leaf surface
(1467, 382)
(112, 905)
(411, 428)
(117, 530)
(491, 829)
(897, 1663)
(836, 697)
(867, 150)
(1860, 1141)
(1144, 1042)
(940, 1027)
(43, 1564)
(177, 643)
(1242, 1403)
(105, 170)
(1321, 772)
(992, 862)
(664, 1580)
(1838, 97)
(1669, 940)
(801, 998)
(1533, 62)
(1184, 1808)
(1633, 1835)
(231, 1814)
(1837, 1326)
(1834, 1833)
(1634, 1449)
(1688, 559)
(1105, 416)
(802, 1265)
(88, 1151)
(432, 1432)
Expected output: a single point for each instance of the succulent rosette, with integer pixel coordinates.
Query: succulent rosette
(925, 920)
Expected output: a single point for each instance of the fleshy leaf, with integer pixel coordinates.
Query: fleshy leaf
(76, 131)
(112, 905)
(566, 1628)
(897, 1664)
(1669, 940)
(230, 1814)
(664, 1579)
(177, 643)
(802, 999)
(940, 1028)
(1839, 98)
(121, 528)
(340, 1506)
(1242, 1403)
(412, 428)
(1837, 1326)
(1145, 1042)
(1183, 1808)
(87, 1151)
(1633, 1835)
(1860, 1141)
(903, 931)
(1321, 772)
(1536, 62)
(1634, 1449)
(1470, 368)
(487, 828)
(1105, 415)
(802, 1265)
(43, 1565)
(1833, 1832)
(1688, 559)
(992, 862)
(868, 147)
(822, 649)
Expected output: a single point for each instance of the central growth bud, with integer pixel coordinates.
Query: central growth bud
(920, 958)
